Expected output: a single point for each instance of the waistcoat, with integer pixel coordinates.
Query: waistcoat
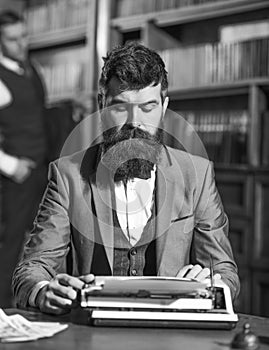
(22, 122)
(138, 260)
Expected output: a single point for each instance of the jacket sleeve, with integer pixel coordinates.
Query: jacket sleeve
(210, 237)
(45, 252)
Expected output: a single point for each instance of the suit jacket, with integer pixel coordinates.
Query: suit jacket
(190, 223)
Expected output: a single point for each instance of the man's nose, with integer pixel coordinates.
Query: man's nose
(134, 115)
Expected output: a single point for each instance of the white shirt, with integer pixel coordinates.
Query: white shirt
(134, 205)
(8, 164)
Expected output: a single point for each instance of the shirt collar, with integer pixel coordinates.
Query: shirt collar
(11, 64)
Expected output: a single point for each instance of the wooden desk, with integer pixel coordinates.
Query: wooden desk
(83, 337)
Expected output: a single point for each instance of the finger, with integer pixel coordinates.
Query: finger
(63, 291)
(49, 302)
(89, 278)
(67, 280)
(58, 301)
(25, 175)
(21, 178)
(217, 276)
(21, 173)
(52, 309)
(184, 270)
(29, 162)
(203, 274)
(194, 271)
(45, 305)
(32, 164)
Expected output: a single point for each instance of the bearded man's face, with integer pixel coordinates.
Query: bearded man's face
(132, 123)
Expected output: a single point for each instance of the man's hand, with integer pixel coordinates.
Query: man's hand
(60, 294)
(196, 272)
(23, 169)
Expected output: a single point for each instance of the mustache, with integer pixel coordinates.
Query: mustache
(127, 132)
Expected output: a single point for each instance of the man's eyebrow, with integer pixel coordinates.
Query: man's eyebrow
(149, 102)
(116, 101)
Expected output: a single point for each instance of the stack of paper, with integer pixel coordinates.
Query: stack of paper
(16, 328)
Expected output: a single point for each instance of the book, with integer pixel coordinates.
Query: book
(193, 66)
(222, 133)
(244, 31)
(265, 142)
(51, 15)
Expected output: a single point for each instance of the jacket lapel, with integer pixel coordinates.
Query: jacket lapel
(169, 200)
(102, 197)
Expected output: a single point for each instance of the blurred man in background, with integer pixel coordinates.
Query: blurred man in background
(23, 148)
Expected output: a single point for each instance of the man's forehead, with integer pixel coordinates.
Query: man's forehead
(149, 92)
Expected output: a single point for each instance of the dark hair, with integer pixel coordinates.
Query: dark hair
(9, 17)
(135, 66)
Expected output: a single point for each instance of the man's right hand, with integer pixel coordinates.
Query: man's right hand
(23, 169)
(59, 296)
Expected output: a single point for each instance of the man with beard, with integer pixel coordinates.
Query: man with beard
(130, 206)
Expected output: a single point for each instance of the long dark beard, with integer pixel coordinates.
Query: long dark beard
(131, 152)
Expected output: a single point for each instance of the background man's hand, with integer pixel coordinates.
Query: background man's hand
(196, 272)
(23, 169)
(59, 296)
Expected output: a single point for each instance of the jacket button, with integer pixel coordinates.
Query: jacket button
(133, 251)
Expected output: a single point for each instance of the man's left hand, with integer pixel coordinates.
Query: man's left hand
(196, 272)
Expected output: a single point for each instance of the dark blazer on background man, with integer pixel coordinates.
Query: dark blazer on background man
(190, 223)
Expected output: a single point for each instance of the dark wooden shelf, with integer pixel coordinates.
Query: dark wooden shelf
(188, 14)
(57, 37)
(240, 87)
(69, 95)
(243, 168)
(232, 167)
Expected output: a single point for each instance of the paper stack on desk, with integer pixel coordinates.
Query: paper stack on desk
(158, 300)
(16, 328)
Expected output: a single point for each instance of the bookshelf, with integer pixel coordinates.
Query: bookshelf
(62, 41)
(221, 87)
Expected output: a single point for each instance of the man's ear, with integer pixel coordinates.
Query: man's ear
(165, 105)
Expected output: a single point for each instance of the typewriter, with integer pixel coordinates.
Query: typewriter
(158, 302)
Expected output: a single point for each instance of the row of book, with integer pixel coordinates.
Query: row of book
(50, 15)
(131, 7)
(222, 134)
(265, 139)
(64, 78)
(209, 63)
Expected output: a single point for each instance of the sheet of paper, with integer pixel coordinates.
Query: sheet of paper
(16, 328)
(155, 285)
